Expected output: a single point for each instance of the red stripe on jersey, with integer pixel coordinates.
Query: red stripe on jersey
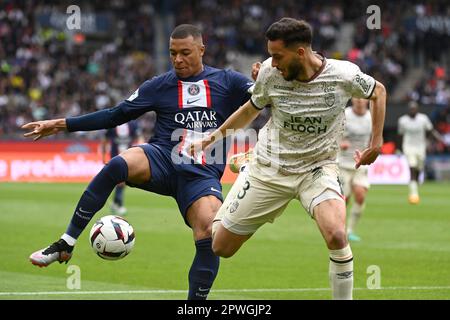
(208, 93)
(180, 94)
(203, 157)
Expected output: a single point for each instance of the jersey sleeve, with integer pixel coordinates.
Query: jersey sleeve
(142, 100)
(260, 98)
(360, 85)
(240, 87)
(428, 124)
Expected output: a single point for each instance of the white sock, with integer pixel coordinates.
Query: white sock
(413, 188)
(70, 240)
(341, 273)
(355, 215)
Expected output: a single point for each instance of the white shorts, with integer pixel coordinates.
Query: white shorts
(415, 158)
(258, 197)
(352, 177)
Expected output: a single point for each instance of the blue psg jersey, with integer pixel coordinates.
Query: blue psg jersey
(196, 104)
(183, 106)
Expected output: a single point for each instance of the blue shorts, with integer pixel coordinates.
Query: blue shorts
(185, 183)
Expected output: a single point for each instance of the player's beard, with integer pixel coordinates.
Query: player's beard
(293, 70)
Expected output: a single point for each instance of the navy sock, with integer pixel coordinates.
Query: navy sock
(118, 195)
(96, 194)
(203, 270)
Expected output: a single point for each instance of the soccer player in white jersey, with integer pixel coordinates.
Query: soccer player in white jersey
(358, 128)
(414, 127)
(295, 156)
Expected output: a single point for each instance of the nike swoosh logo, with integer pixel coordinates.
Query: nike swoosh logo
(203, 289)
(88, 218)
(192, 101)
(214, 189)
(84, 211)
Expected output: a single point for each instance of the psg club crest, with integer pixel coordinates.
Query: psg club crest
(194, 90)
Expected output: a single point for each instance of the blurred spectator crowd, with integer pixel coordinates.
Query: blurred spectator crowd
(49, 73)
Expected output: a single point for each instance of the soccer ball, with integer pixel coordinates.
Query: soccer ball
(112, 237)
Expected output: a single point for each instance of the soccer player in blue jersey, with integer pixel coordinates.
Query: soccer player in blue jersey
(190, 96)
(118, 140)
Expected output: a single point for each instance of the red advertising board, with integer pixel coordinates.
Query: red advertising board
(49, 167)
(49, 161)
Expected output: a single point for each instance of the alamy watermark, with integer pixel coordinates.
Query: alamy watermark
(374, 20)
(374, 278)
(73, 281)
(74, 20)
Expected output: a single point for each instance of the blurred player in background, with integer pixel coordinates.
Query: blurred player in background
(358, 129)
(190, 96)
(414, 128)
(295, 156)
(118, 140)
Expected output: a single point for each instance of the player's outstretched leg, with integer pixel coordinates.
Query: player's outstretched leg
(414, 186)
(92, 200)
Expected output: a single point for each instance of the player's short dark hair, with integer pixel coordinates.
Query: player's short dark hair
(291, 31)
(185, 30)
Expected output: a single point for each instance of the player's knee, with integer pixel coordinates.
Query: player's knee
(221, 249)
(138, 166)
(117, 168)
(202, 232)
(359, 198)
(337, 239)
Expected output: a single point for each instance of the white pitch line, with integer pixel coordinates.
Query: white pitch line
(74, 292)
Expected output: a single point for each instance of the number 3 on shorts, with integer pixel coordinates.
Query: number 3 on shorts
(243, 192)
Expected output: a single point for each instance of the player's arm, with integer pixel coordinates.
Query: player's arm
(103, 119)
(40, 129)
(435, 134)
(137, 104)
(378, 111)
(430, 131)
(241, 118)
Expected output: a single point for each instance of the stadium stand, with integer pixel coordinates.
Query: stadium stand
(48, 72)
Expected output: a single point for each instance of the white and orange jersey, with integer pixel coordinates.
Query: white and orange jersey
(307, 117)
(414, 131)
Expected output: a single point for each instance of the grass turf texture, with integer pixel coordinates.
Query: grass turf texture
(285, 260)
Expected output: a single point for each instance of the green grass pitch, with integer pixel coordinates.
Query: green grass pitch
(286, 260)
